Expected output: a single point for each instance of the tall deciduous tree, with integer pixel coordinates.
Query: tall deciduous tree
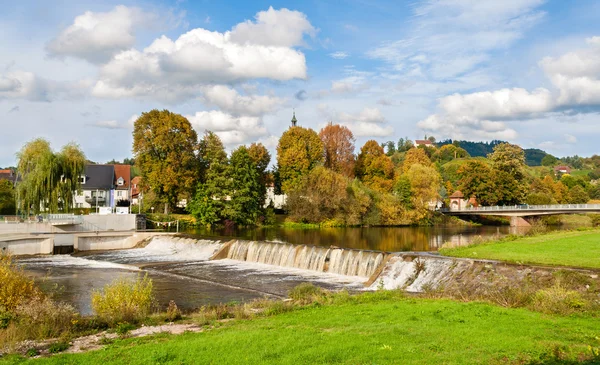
(338, 145)
(374, 168)
(508, 163)
(476, 180)
(164, 147)
(299, 151)
(415, 156)
(247, 200)
(424, 186)
(261, 158)
(48, 180)
(209, 200)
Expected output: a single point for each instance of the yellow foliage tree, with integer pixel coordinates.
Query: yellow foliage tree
(424, 185)
(374, 168)
(415, 156)
(298, 152)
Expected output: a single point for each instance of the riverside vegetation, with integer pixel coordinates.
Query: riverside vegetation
(534, 320)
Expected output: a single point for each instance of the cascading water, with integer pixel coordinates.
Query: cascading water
(330, 260)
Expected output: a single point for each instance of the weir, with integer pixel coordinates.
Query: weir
(331, 260)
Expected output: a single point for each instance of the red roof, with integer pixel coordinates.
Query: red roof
(423, 141)
(123, 171)
(457, 194)
(135, 186)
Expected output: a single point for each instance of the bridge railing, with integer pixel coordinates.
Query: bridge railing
(526, 207)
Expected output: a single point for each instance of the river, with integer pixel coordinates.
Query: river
(182, 272)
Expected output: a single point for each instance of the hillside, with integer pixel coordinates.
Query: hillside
(533, 156)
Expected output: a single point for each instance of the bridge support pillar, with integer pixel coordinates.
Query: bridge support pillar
(519, 222)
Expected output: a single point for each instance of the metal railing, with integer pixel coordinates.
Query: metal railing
(525, 207)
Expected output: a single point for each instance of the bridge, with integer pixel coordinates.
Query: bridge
(517, 212)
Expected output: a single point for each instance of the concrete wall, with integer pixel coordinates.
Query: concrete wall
(110, 222)
(28, 245)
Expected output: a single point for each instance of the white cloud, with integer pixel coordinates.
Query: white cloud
(282, 28)
(339, 55)
(575, 76)
(173, 70)
(230, 101)
(96, 37)
(28, 86)
(232, 130)
(108, 124)
(369, 122)
(570, 138)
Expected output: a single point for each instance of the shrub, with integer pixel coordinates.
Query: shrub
(173, 312)
(305, 293)
(43, 318)
(124, 300)
(557, 300)
(16, 287)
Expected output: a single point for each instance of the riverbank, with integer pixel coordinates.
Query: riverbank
(568, 248)
(380, 327)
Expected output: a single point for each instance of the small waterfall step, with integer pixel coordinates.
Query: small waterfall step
(332, 260)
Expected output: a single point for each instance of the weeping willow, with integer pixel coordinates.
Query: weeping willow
(48, 180)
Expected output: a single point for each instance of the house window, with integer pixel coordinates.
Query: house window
(120, 181)
(82, 179)
(119, 193)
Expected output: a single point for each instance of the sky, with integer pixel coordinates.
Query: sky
(525, 71)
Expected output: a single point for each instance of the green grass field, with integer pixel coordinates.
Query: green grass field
(375, 328)
(574, 248)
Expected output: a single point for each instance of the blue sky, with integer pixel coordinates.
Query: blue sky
(527, 71)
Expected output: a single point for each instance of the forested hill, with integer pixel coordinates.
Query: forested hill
(533, 156)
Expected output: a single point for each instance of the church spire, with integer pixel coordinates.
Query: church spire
(294, 120)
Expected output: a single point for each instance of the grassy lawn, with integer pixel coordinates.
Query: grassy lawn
(372, 329)
(577, 249)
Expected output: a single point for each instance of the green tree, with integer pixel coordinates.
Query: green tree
(261, 158)
(7, 198)
(578, 195)
(404, 144)
(508, 163)
(210, 198)
(164, 148)
(476, 180)
(374, 168)
(247, 200)
(402, 189)
(299, 151)
(48, 180)
(549, 160)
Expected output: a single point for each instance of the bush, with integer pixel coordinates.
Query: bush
(124, 300)
(557, 300)
(57, 347)
(16, 287)
(305, 293)
(173, 312)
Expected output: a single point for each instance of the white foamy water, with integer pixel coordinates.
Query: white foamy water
(166, 249)
(287, 273)
(401, 273)
(322, 259)
(72, 261)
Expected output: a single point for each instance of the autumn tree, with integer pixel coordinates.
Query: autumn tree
(299, 151)
(415, 156)
(425, 184)
(164, 148)
(449, 152)
(338, 148)
(209, 200)
(49, 180)
(578, 195)
(246, 198)
(321, 195)
(374, 168)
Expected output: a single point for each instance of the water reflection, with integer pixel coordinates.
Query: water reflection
(390, 239)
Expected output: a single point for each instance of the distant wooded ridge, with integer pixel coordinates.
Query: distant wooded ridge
(533, 156)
